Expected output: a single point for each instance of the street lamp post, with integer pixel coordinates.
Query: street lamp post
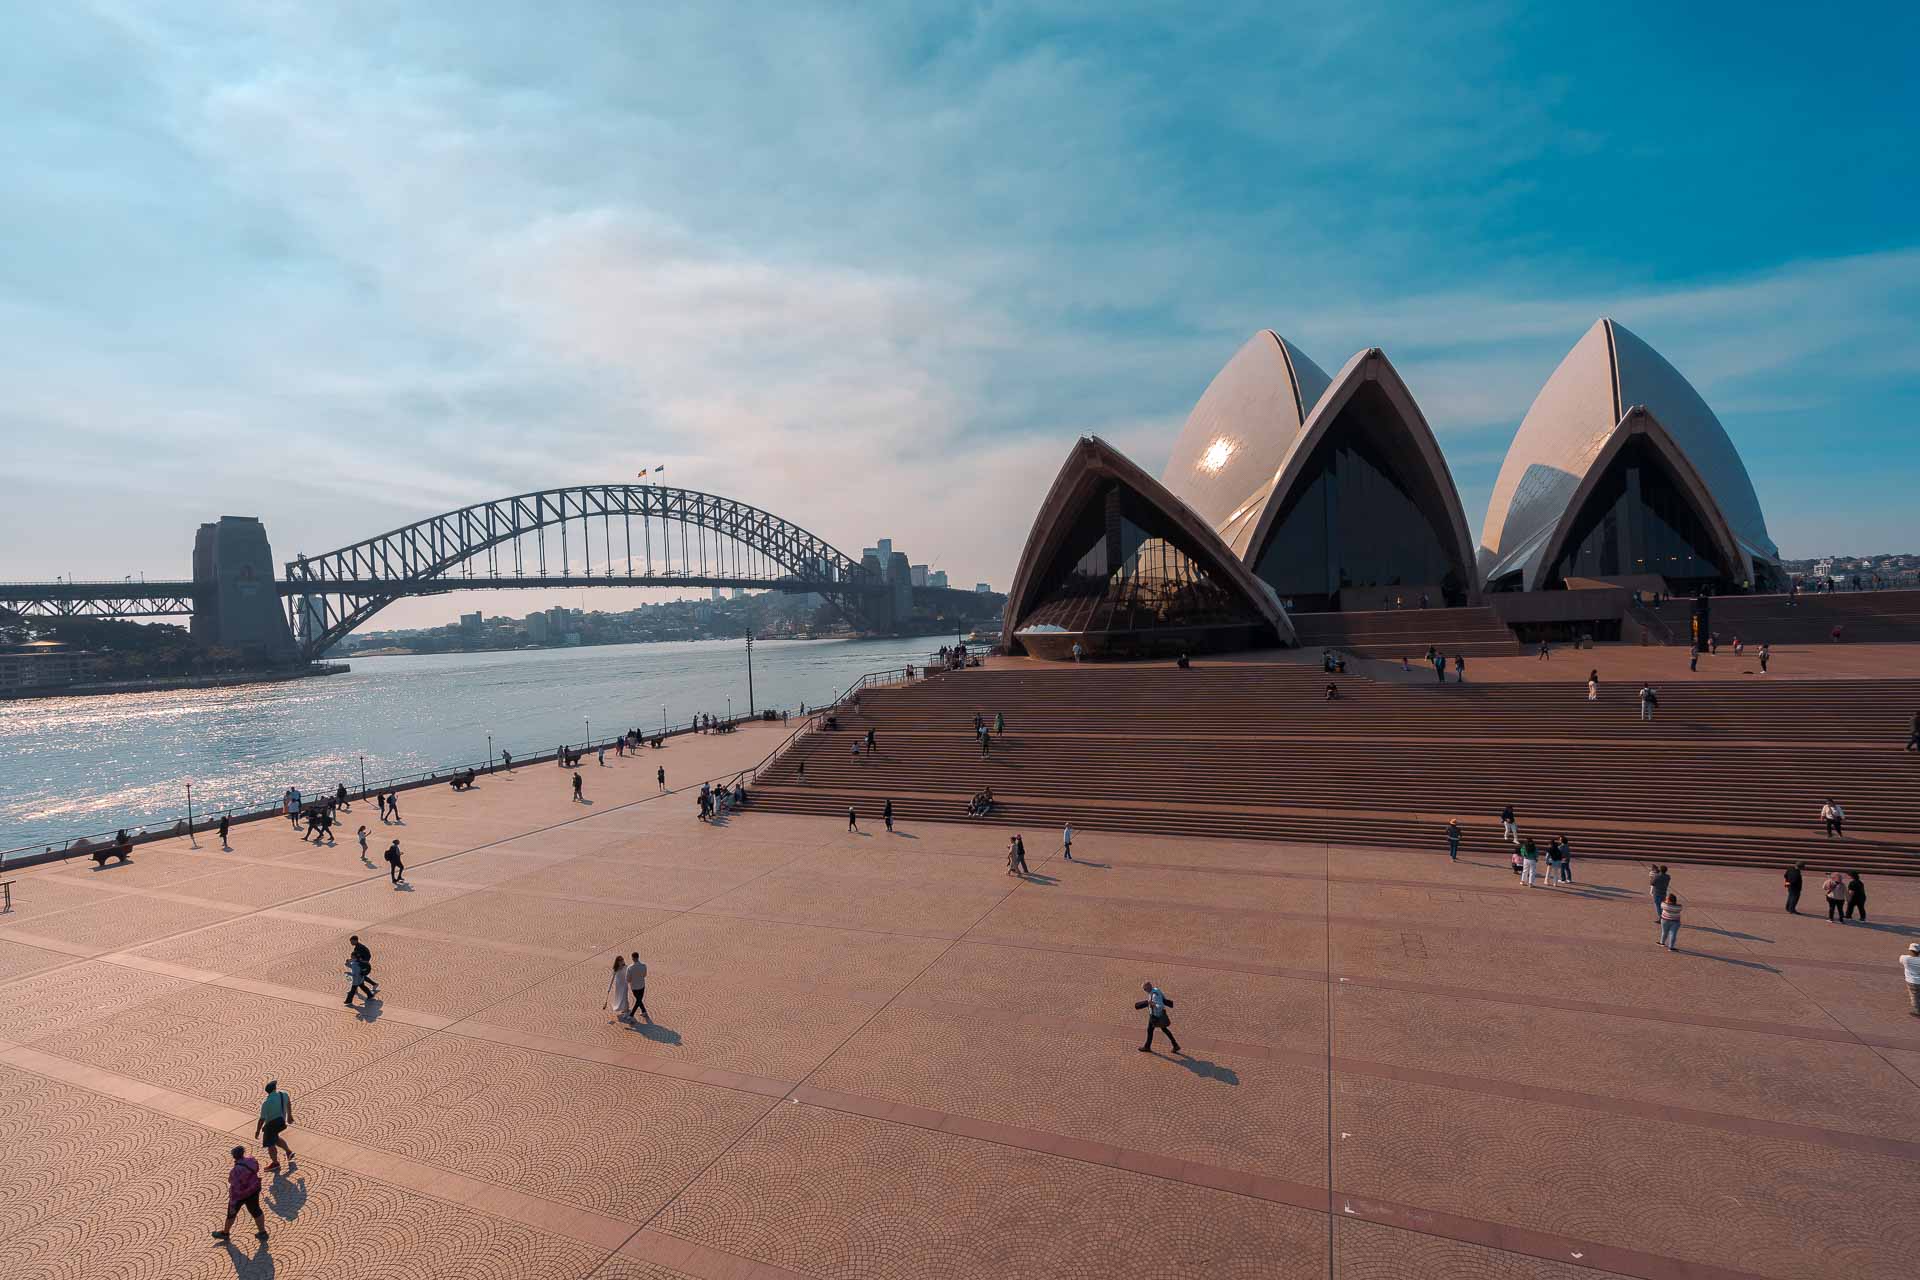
(749, 673)
(663, 719)
(589, 720)
(363, 777)
(190, 840)
(729, 710)
(489, 753)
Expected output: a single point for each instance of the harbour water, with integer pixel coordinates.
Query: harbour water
(73, 766)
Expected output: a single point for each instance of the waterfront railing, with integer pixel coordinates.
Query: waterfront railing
(172, 825)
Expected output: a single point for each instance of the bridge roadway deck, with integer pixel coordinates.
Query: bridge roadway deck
(875, 1055)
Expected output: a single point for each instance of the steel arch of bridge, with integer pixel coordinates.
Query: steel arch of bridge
(685, 538)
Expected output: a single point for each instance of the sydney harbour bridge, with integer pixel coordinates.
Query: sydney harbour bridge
(617, 535)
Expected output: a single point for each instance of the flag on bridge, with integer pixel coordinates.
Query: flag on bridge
(643, 474)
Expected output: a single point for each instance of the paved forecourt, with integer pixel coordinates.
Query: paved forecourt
(877, 1055)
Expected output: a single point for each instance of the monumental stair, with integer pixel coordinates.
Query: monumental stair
(1475, 632)
(1728, 772)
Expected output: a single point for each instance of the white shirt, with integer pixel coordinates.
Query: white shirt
(1911, 963)
(637, 975)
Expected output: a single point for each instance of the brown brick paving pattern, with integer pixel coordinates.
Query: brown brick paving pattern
(878, 1056)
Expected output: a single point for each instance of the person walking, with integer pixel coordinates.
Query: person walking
(1156, 1004)
(1910, 970)
(243, 1192)
(506, 760)
(1509, 830)
(1657, 882)
(1856, 896)
(276, 1113)
(396, 870)
(578, 795)
(360, 970)
(1834, 817)
(1593, 685)
(660, 778)
(1649, 699)
(637, 986)
(1766, 656)
(1529, 861)
(1066, 840)
(1460, 667)
(1017, 857)
(617, 991)
(1835, 887)
(1792, 880)
(1453, 839)
(999, 723)
(1913, 733)
(1693, 657)
(1670, 921)
(225, 823)
(886, 815)
(853, 819)
(393, 805)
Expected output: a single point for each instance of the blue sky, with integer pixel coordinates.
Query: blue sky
(876, 268)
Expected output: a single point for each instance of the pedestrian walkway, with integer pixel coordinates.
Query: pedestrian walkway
(874, 1054)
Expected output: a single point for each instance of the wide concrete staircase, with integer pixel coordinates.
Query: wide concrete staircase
(1475, 632)
(1730, 773)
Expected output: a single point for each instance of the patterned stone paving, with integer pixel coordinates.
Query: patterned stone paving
(879, 1057)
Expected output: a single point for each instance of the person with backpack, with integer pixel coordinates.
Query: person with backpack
(396, 870)
(1649, 699)
(276, 1113)
(1156, 1004)
(1657, 881)
(243, 1192)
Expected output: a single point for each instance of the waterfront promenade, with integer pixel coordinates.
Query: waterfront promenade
(877, 1055)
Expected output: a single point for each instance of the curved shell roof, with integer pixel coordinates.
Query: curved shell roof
(1241, 430)
(1609, 372)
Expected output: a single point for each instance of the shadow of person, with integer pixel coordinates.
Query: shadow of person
(370, 1011)
(286, 1196)
(1085, 862)
(1208, 1070)
(257, 1267)
(1035, 877)
(655, 1032)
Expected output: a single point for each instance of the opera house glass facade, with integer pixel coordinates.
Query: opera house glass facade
(1638, 519)
(1355, 528)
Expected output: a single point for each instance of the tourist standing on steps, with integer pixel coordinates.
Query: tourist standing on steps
(1453, 839)
(886, 815)
(1792, 881)
(1657, 882)
(276, 1113)
(617, 989)
(396, 870)
(578, 796)
(1066, 840)
(1670, 921)
(637, 985)
(1649, 699)
(1593, 685)
(1856, 896)
(1913, 733)
(1460, 667)
(1835, 887)
(1834, 817)
(243, 1192)
(853, 819)
(1156, 1004)
(999, 723)
(1910, 970)
(1509, 830)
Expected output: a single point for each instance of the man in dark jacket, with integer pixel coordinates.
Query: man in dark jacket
(1792, 881)
(1156, 1004)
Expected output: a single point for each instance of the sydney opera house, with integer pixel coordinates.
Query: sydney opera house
(1292, 495)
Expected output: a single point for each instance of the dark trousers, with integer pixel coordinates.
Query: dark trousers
(1855, 904)
(1793, 898)
(639, 995)
(1833, 827)
(270, 1138)
(394, 869)
(1160, 1024)
(252, 1205)
(1835, 909)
